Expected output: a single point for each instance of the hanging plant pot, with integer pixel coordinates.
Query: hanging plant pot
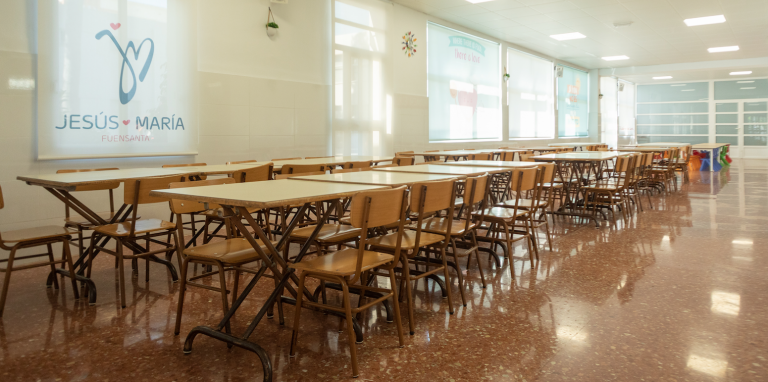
(271, 25)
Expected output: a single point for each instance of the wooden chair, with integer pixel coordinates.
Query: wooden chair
(425, 199)
(286, 176)
(537, 203)
(354, 266)
(404, 161)
(366, 164)
(343, 170)
(230, 254)
(508, 156)
(664, 172)
(483, 156)
(46, 236)
(404, 154)
(681, 164)
(192, 223)
(526, 156)
(610, 193)
(302, 168)
(254, 174)
(506, 219)
(80, 223)
(136, 193)
(242, 161)
(386, 165)
(294, 158)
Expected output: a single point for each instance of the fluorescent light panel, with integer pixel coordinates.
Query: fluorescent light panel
(748, 88)
(478, 1)
(724, 49)
(615, 58)
(567, 36)
(662, 78)
(745, 82)
(704, 20)
(741, 73)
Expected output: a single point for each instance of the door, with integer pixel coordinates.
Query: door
(744, 125)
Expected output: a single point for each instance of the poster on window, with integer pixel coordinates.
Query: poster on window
(573, 103)
(464, 86)
(116, 78)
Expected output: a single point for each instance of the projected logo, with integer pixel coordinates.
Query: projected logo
(126, 97)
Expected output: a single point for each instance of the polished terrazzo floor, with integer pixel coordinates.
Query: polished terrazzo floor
(677, 293)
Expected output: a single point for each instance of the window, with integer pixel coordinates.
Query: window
(609, 108)
(573, 104)
(627, 113)
(673, 113)
(464, 86)
(361, 78)
(530, 95)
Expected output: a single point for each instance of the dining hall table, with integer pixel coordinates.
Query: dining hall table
(235, 200)
(576, 170)
(332, 161)
(455, 154)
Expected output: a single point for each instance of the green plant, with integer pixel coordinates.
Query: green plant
(272, 25)
(506, 76)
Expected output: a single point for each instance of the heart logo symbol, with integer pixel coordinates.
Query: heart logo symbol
(126, 122)
(114, 26)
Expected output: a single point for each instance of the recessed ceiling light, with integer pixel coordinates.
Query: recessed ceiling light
(567, 36)
(724, 49)
(615, 58)
(744, 82)
(678, 85)
(748, 88)
(688, 90)
(705, 20)
(662, 78)
(478, 1)
(741, 73)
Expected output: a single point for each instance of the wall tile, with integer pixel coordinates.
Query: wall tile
(312, 122)
(267, 121)
(271, 93)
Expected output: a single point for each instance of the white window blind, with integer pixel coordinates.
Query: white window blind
(530, 95)
(609, 107)
(464, 86)
(573, 104)
(361, 78)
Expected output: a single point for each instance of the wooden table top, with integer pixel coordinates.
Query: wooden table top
(273, 193)
(709, 146)
(379, 178)
(445, 169)
(278, 164)
(580, 156)
(574, 144)
(73, 179)
(541, 148)
(642, 149)
(457, 153)
(223, 169)
(663, 144)
(488, 163)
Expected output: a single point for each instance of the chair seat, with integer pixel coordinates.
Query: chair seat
(343, 263)
(502, 213)
(77, 220)
(329, 233)
(230, 252)
(524, 203)
(36, 233)
(142, 227)
(389, 241)
(439, 225)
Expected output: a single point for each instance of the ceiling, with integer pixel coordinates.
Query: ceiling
(656, 36)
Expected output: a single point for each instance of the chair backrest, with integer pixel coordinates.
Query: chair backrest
(549, 172)
(286, 176)
(508, 156)
(253, 174)
(343, 170)
(370, 209)
(179, 207)
(136, 191)
(432, 151)
(475, 196)
(242, 161)
(358, 164)
(302, 168)
(469, 149)
(184, 165)
(286, 158)
(404, 161)
(504, 148)
(429, 197)
(526, 156)
(93, 187)
(524, 179)
(483, 156)
(404, 154)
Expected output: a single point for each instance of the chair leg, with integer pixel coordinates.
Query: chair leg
(448, 281)
(236, 283)
(223, 288)
(53, 266)
(67, 254)
(121, 271)
(297, 314)
(350, 328)
(7, 280)
(396, 305)
(182, 293)
(477, 258)
(408, 293)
